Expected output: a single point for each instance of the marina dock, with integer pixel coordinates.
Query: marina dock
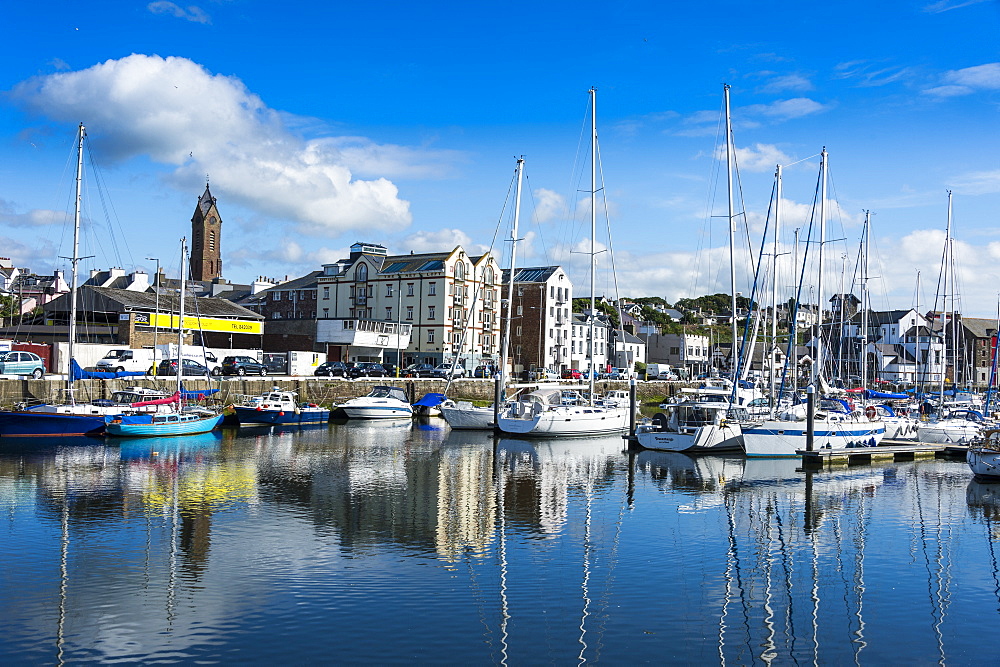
(889, 450)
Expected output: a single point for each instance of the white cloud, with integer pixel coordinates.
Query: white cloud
(33, 218)
(977, 183)
(752, 116)
(968, 80)
(190, 13)
(549, 205)
(948, 5)
(870, 74)
(756, 158)
(442, 240)
(787, 82)
(178, 114)
(785, 109)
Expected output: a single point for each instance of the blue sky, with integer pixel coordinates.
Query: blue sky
(399, 123)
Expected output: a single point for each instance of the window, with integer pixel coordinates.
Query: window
(520, 291)
(520, 309)
(361, 273)
(326, 312)
(326, 292)
(313, 314)
(488, 275)
(552, 292)
(275, 296)
(388, 289)
(388, 312)
(552, 333)
(460, 271)
(430, 312)
(409, 312)
(430, 335)
(409, 289)
(431, 289)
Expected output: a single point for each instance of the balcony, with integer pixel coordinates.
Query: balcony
(363, 333)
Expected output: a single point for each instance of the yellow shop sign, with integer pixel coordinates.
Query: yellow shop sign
(200, 323)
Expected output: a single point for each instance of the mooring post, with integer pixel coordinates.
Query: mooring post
(810, 417)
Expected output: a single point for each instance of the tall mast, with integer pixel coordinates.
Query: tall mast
(75, 259)
(505, 334)
(732, 223)
(818, 362)
(180, 317)
(945, 271)
(593, 233)
(864, 302)
(774, 278)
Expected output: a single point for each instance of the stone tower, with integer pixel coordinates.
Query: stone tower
(206, 239)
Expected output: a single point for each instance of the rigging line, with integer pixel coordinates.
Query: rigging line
(758, 283)
(710, 199)
(534, 218)
(102, 187)
(614, 270)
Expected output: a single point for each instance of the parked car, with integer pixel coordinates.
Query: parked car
(484, 371)
(572, 374)
(419, 371)
(366, 369)
(21, 363)
(444, 371)
(390, 369)
(333, 369)
(188, 367)
(239, 365)
(618, 374)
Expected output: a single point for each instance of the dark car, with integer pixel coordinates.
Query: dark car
(188, 367)
(390, 370)
(419, 371)
(333, 369)
(485, 371)
(243, 366)
(366, 369)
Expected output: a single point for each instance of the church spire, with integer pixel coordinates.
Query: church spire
(206, 238)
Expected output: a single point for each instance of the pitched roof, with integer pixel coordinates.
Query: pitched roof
(110, 300)
(531, 274)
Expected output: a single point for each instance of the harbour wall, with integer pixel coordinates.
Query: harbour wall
(322, 391)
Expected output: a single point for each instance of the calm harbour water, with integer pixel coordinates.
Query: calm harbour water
(382, 543)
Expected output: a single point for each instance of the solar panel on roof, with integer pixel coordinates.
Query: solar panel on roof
(395, 266)
(432, 265)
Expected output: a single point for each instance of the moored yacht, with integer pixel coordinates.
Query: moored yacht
(381, 403)
(278, 407)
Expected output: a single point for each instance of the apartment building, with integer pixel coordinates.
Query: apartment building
(580, 345)
(415, 308)
(541, 327)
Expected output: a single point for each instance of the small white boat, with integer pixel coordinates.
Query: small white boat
(466, 416)
(983, 456)
(958, 427)
(381, 403)
(835, 426)
(696, 425)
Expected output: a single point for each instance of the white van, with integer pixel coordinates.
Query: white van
(123, 359)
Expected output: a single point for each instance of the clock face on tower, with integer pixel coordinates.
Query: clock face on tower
(211, 220)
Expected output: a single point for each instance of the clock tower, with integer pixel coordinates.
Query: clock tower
(206, 239)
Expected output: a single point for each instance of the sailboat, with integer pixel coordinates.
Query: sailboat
(709, 419)
(836, 425)
(543, 411)
(70, 418)
(463, 414)
(179, 421)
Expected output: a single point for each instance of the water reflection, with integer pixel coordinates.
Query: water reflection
(459, 546)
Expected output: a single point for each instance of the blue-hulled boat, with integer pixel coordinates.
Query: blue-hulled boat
(170, 423)
(278, 407)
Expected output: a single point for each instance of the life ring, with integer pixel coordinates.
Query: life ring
(870, 412)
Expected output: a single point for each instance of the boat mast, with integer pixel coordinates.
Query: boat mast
(593, 233)
(505, 334)
(945, 270)
(732, 227)
(864, 302)
(75, 259)
(818, 361)
(180, 317)
(774, 280)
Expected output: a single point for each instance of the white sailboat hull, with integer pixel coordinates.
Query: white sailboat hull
(947, 431)
(466, 416)
(709, 438)
(567, 420)
(776, 438)
(984, 463)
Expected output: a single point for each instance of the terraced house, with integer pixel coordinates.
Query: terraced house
(415, 308)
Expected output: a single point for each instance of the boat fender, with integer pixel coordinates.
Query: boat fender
(870, 412)
(297, 411)
(281, 413)
(258, 408)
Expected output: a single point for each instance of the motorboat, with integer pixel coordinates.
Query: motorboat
(956, 427)
(898, 424)
(381, 403)
(695, 425)
(278, 407)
